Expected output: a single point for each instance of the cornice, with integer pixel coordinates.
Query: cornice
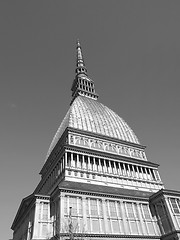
(164, 192)
(119, 236)
(104, 194)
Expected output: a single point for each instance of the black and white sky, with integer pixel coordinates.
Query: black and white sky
(132, 52)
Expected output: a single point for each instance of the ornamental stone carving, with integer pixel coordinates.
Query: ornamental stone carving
(106, 146)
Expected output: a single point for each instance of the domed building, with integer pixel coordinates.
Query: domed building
(97, 182)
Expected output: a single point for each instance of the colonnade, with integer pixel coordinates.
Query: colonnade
(112, 167)
(90, 164)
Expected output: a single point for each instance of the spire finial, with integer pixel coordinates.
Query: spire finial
(82, 84)
(80, 65)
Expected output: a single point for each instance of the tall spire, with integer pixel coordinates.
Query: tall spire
(80, 65)
(82, 84)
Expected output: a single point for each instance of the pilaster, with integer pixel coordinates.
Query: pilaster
(36, 228)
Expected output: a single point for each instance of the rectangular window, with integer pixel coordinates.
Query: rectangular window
(88, 224)
(146, 212)
(94, 212)
(102, 225)
(44, 230)
(93, 204)
(130, 211)
(81, 225)
(150, 228)
(112, 209)
(75, 225)
(95, 226)
(175, 205)
(73, 204)
(115, 226)
(134, 228)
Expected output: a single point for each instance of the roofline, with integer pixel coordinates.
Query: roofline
(32, 197)
(167, 192)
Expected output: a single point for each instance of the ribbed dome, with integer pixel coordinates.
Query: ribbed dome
(89, 115)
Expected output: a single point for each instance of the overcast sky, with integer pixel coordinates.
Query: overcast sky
(132, 52)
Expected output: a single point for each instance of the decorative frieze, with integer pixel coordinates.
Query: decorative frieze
(106, 146)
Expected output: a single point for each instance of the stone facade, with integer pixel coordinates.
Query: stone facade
(97, 182)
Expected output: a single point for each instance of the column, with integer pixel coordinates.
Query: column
(78, 162)
(129, 170)
(29, 231)
(100, 167)
(49, 225)
(133, 173)
(148, 173)
(147, 176)
(105, 215)
(36, 228)
(83, 162)
(120, 170)
(136, 172)
(72, 160)
(114, 168)
(157, 175)
(94, 164)
(105, 166)
(153, 175)
(60, 208)
(61, 164)
(140, 172)
(84, 213)
(110, 166)
(89, 164)
(66, 160)
(124, 170)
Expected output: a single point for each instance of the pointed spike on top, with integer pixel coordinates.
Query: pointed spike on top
(79, 54)
(81, 68)
(78, 43)
(82, 84)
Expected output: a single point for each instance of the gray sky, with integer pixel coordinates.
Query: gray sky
(132, 52)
